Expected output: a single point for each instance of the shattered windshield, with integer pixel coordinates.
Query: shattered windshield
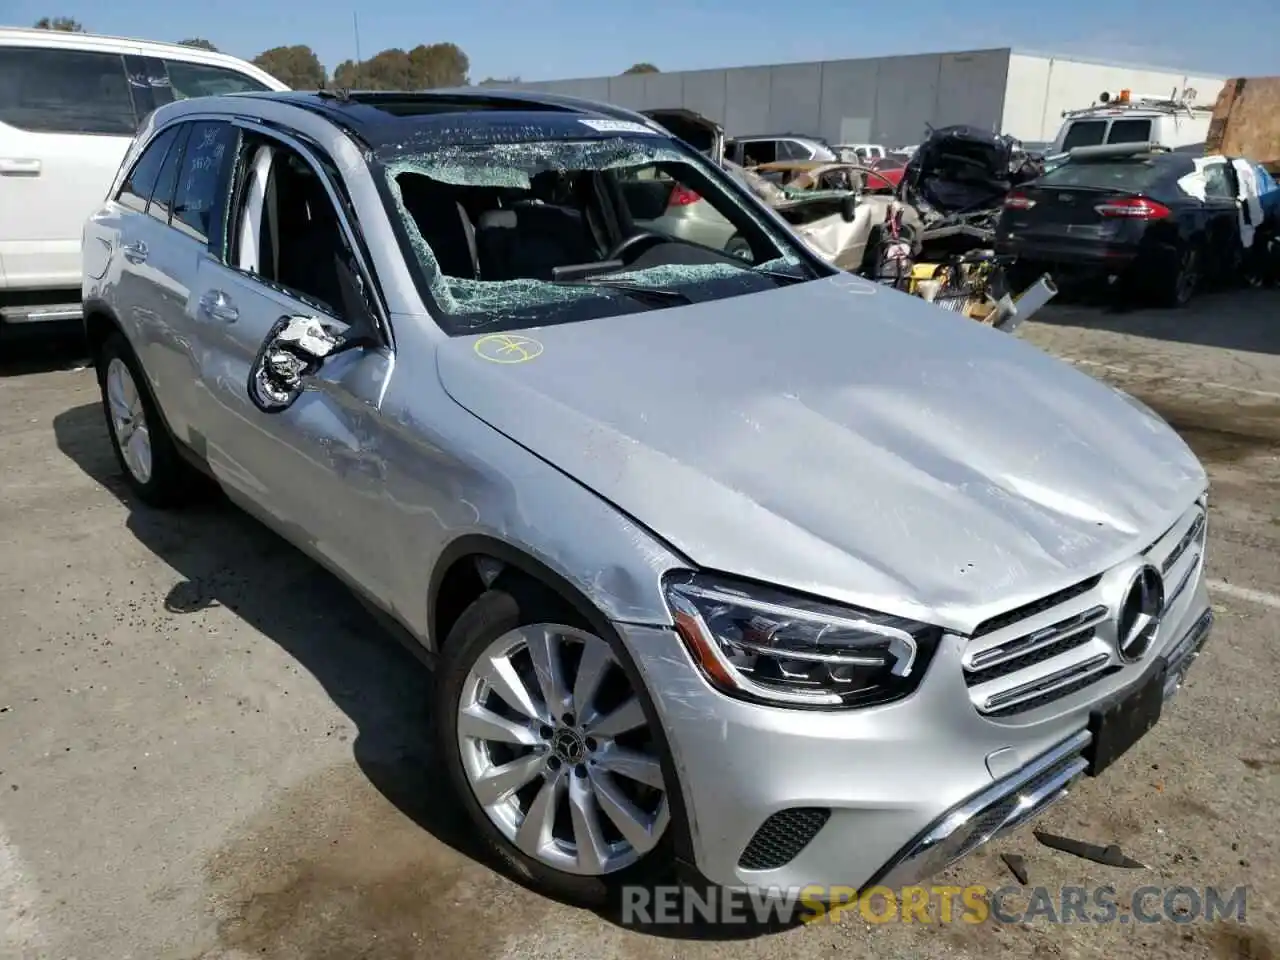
(521, 234)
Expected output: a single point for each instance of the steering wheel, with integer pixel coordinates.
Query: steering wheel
(625, 245)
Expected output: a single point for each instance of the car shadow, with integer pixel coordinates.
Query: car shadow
(227, 558)
(1236, 319)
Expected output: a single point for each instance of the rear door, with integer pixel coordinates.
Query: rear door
(66, 119)
(1222, 207)
(1250, 200)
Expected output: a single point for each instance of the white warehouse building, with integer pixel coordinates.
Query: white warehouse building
(889, 100)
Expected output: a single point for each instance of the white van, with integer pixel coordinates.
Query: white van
(1174, 121)
(70, 104)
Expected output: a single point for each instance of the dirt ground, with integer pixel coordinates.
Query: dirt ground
(208, 750)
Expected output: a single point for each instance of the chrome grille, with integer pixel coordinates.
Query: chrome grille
(1046, 650)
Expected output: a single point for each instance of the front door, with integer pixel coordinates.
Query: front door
(315, 470)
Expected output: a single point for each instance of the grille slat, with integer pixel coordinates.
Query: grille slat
(1050, 648)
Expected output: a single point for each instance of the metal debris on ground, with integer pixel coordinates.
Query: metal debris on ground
(1017, 865)
(1109, 856)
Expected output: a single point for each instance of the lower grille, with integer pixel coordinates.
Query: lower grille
(782, 836)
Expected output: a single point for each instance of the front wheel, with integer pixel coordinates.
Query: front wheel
(551, 746)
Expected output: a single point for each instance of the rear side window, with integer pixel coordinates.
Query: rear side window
(201, 80)
(1129, 131)
(1130, 175)
(1084, 133)
(65, 91)
(141, 182)
(162, 196)
(791, 150)
(201, 176)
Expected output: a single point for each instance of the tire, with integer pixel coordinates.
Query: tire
(489, 624)
(160, 478)
(1178, 287)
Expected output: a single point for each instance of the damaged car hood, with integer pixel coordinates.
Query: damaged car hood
(845, 440)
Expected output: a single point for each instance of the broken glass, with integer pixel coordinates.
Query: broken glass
(512, 166)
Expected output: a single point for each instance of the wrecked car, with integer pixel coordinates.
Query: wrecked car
(868, 222)
(674, 528)
(957, 182)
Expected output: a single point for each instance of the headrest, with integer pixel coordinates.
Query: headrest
(497, 219)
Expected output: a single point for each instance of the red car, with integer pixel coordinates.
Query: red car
(889, 172)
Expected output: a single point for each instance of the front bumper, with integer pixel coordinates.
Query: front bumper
(787, 799)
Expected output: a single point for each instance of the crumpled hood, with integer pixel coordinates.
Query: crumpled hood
(846, 440)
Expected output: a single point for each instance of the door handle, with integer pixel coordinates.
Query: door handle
(19, 167)
(135, 252)
(218, 306)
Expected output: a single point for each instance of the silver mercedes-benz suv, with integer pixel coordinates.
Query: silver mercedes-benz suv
(733, 560)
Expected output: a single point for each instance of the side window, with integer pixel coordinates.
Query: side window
(756, 152)
(1217, 185)
(161, 203)
(1129, 131)
(141, 182)
(1084, 133)
(205, 163)
(65, 91)
(792, 150)
(287, 231)
(201, 80)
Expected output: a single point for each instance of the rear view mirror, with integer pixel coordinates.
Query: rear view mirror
(849, 208)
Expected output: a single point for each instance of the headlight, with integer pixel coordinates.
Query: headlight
(765, 645)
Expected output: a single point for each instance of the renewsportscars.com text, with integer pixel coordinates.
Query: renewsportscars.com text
(934, 904)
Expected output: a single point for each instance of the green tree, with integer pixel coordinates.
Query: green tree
(68, 24)
(425, 67)
(498, 81)
(297, 67)
(199, 43)
(641, 68)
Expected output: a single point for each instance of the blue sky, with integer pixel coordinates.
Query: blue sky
(575, 38)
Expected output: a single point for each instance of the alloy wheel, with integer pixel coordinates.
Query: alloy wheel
(558, 751)
(129, 420)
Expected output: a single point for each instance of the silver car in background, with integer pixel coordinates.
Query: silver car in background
(739, 561)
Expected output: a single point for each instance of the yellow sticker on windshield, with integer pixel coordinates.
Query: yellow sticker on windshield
(508, 348)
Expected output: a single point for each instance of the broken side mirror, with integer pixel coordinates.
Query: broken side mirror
(297, 346)
(849, 208)
(295, 349)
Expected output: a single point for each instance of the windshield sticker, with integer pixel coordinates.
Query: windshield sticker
(508, 348)
(618, 126)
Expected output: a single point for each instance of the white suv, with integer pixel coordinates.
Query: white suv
(70, 104)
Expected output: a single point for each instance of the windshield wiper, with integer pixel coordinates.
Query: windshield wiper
(639, 291)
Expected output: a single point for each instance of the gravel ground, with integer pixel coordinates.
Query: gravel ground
(208, 750)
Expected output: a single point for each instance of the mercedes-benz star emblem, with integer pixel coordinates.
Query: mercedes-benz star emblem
(1138, 619)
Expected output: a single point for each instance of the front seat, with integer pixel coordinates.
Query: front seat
(443, 223)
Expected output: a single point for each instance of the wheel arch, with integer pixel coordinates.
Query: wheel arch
(459, 578)
(100, 321)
